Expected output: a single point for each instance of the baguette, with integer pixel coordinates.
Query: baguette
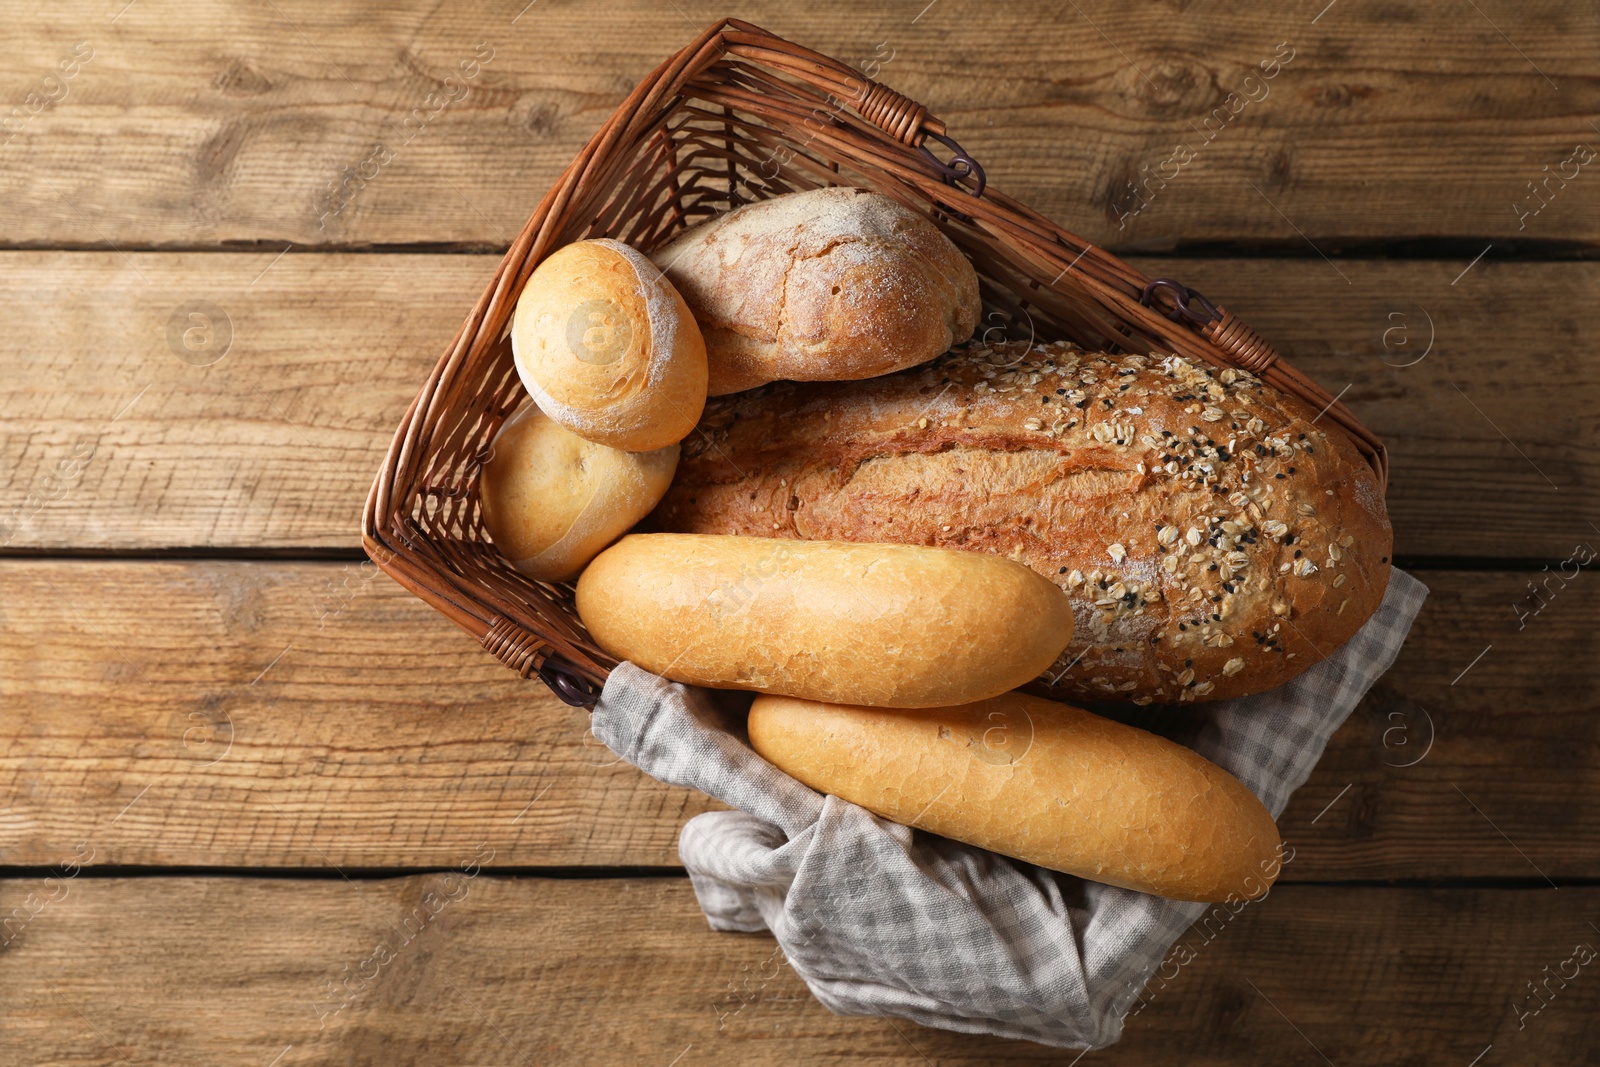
(889, 625)
(1040, 782)
(1214, 539)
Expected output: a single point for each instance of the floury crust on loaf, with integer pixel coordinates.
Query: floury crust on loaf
(825, 285)
(1214, 540)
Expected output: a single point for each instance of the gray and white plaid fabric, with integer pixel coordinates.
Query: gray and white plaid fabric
(880, 920)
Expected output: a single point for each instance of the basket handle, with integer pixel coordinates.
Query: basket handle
(906, 120)
(1237, 341)
(1245, 348)
(527, 653)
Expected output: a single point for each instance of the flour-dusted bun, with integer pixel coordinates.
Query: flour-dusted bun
(1215, 538)
(831, 284)
(1040, 782)
(889, 625)
(607, 348)
(551, 500)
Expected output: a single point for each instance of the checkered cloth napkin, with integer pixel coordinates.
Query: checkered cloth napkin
(880, 920)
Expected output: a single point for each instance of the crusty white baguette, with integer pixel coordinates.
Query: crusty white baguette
(1040, 782)
(828, 284)
(889, 625)
(1215, 538)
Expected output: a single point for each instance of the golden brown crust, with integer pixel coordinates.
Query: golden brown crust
(552, 500)
(1040, 782)
(831, 284)
(606, 347)
(889, 625)
(1214, 539)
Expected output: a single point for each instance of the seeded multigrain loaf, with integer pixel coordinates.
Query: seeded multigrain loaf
(1214, 539)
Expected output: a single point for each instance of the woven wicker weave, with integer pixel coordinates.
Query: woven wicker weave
(742, 115)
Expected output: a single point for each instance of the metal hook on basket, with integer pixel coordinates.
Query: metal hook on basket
(569, 687)
(961, 165)
(1181, 296)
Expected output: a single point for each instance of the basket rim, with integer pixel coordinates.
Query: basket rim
(902, 125)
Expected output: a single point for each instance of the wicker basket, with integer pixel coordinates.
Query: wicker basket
(741, 115)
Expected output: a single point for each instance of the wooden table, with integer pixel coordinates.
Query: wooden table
(258, 806)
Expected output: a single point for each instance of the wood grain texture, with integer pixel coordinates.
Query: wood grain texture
(275, 444)
(314, 715)
(1392, 120)
(225, 406)
(451, 969)
(269, 716)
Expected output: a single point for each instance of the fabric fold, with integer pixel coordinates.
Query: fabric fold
(878, 919)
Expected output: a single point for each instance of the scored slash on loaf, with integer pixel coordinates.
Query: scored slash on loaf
(606, 347)
(1214, 539)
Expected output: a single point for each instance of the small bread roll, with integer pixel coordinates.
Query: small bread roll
(898, 626)
(1040, 782)
(552, 501)
(607, 347)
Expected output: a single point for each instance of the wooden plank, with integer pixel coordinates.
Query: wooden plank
(1383, 120)
(317, 357)
(450, 968)
(314, 715)
(1466, 374)
(274, 443)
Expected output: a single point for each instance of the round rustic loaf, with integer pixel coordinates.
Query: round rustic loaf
(607, 348)
(830, 284)
(551, 500)
(1214, 538)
